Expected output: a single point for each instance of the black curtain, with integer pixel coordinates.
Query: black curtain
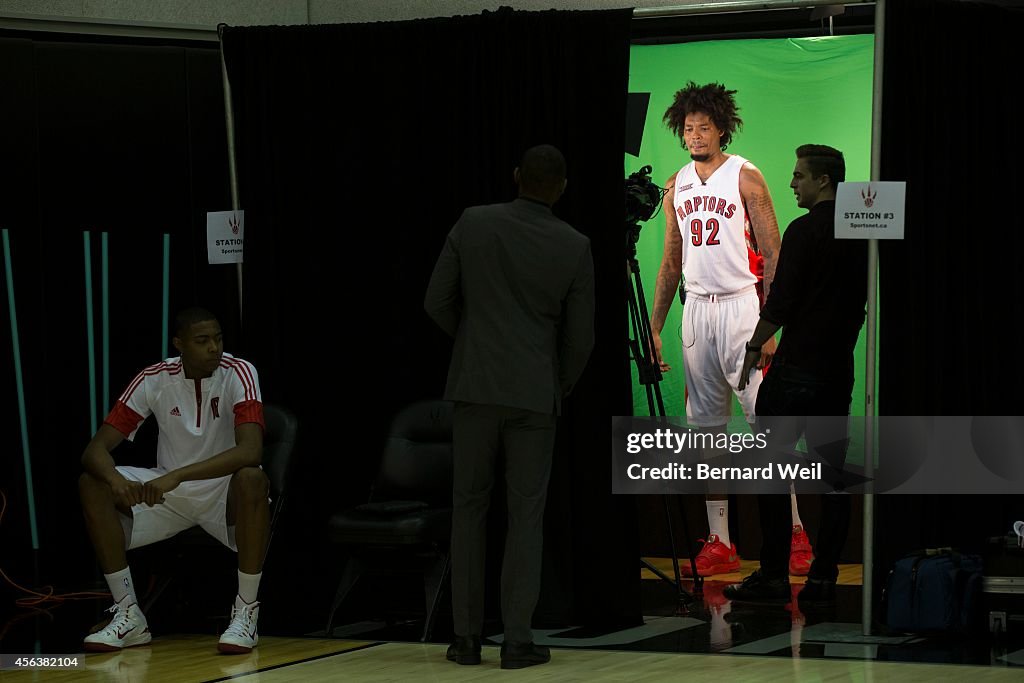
(358, 146)
(97, 136)
(952, 293)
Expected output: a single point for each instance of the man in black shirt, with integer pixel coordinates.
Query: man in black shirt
(818, 299)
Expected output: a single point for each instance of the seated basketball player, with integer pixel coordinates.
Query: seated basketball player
(208, 407)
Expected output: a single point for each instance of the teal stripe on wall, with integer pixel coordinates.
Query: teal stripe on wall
(105, 294)
(20, 385)
(89, 327)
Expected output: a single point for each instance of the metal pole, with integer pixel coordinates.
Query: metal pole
(229, 120)
(870, 405)
(165, 326)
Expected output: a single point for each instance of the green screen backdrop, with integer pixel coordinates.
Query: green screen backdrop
(790, 92)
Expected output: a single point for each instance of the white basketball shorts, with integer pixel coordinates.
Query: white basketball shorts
(194, 503)
(716, 330)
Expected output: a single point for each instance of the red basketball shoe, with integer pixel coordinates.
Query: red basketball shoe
(800, 553)
(714, 558)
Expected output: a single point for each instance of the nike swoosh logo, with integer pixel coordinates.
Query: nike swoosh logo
(122, 635)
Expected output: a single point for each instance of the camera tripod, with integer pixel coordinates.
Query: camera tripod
(641, 347)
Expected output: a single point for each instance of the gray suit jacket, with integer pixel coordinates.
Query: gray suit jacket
(515, 286)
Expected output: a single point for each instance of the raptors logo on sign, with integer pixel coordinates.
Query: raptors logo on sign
(233, 222)
(869, 197)
(215, 406)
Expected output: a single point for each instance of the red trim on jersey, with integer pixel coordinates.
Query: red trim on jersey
(756, 264)
(249, 411)
(124, 419)
(169, 368)
(244, 375)
(199, 403)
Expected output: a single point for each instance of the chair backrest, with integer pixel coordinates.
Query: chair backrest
(417, 460)
(278, 446)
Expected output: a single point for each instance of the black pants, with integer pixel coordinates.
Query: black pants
(527, 440)
(792, 402)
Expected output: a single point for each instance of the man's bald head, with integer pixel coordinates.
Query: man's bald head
(541, 173)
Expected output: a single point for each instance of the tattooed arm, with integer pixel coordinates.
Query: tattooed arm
(667, 284)
(758, 200)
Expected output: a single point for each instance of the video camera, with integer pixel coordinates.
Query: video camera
(643, 197)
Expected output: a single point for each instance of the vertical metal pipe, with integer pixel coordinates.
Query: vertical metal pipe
(229, 119)
(870, 404)
(166, 302)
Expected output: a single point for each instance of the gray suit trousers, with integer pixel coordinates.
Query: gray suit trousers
(481, 432)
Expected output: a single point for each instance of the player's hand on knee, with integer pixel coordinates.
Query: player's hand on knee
(153, 490)
(126, 493)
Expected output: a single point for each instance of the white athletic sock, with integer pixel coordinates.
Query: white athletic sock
(248, 586)
(718, 519)
(120, 584)
(793, 504)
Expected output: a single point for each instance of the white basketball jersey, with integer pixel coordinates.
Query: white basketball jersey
(715, 230)
(197, 418)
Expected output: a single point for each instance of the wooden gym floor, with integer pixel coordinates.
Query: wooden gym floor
(192, 659)
(713, 640)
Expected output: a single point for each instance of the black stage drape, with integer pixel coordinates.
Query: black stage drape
(103, 137)
(358, 146)
(952, 293)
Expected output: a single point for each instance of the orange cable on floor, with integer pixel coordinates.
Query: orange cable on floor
(37, 598)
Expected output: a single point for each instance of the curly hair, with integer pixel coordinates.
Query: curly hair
(712, 99)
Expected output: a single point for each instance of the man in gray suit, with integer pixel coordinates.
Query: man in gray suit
(515, 287)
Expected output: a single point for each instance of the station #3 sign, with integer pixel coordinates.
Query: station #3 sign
(225, 234)
(870, 210)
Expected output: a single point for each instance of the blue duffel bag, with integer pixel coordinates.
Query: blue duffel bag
(936, 590)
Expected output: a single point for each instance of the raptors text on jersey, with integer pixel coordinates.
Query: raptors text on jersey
(718, 253)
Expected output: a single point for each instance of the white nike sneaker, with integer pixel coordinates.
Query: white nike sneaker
(240, 637)
(127, 628)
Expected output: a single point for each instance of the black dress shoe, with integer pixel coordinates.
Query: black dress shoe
(759, 588)
(817, 593)
(522, 655)
(465, 650)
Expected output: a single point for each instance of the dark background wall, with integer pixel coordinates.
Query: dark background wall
(97, 137)
(352, 174)
(355, 169)
(954, 353)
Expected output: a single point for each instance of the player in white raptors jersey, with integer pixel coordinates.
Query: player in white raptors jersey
(208, 408)
(722, 238)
